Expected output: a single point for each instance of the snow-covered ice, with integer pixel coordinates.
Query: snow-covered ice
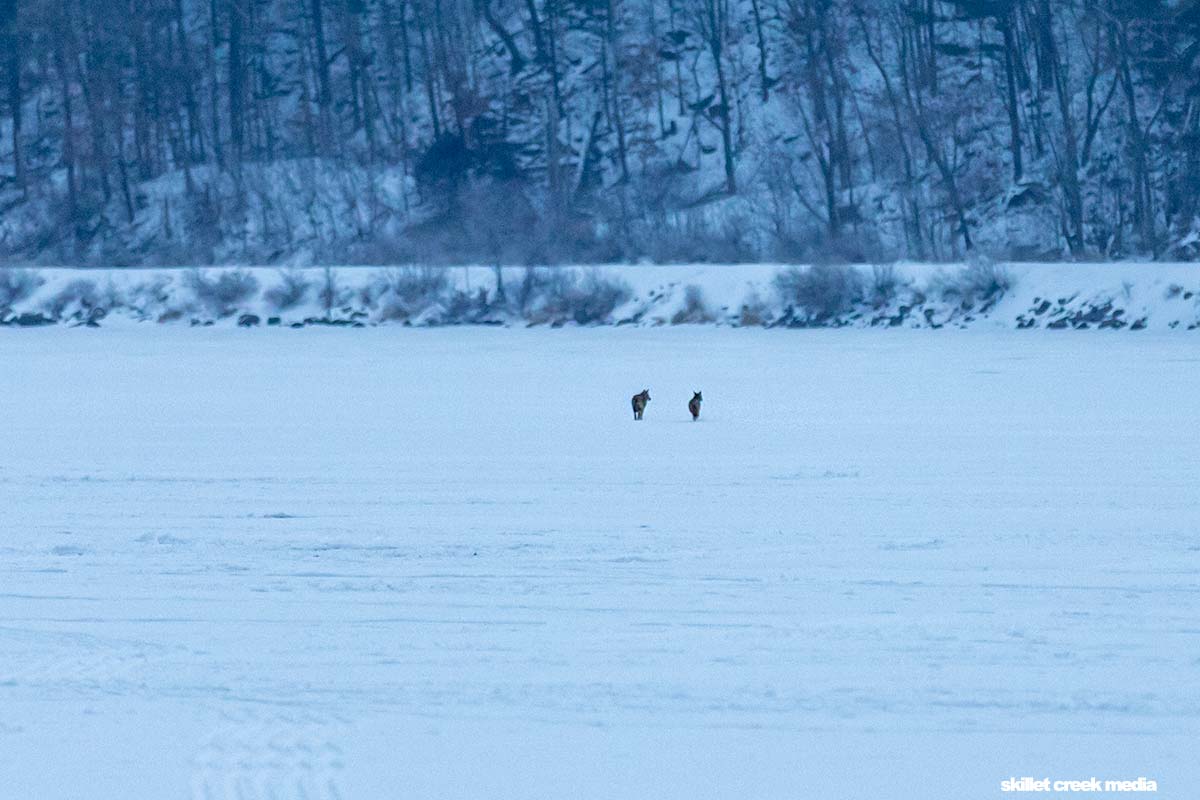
(447, 563)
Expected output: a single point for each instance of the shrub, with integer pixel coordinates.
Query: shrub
(16, 284)
(465, 307)
(290, 292)
(981, 281)
(331, 294)
(222, 294)
(561, 296)
(409, 291)
(111, 295)
(822, 291)
(148, 298)
(367, 295)
(695, 309)
(416, 284)
(79, 297)
(986, 280)
(754, 311)
(534, 284)
(885, 285)
(597, 297)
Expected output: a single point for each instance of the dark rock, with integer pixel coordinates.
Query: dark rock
(248, 320)
(1095, 314)
(333, 322)
(31, 319)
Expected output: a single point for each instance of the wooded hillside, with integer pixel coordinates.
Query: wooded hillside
(522, 131)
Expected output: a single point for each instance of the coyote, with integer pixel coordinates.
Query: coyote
(639, 403)
(694, 405)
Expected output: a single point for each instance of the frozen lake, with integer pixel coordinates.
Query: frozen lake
(447, 563)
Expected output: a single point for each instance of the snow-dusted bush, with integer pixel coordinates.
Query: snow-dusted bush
(466, 307)
(985, 280)
(16, 284)
(695, 308)
(534, 284)
(79, 297)
(222, 294)
(822, 290)
(543, 292)
(409, 291)
(559, 295)
(754, 311)
(981, 281)
(415, 284)
(885, 285)
(149, 298)
(289, 292)
(331, 294)
(596, 297)
(111, 295)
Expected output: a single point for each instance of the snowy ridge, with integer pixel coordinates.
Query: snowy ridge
(1129, 296)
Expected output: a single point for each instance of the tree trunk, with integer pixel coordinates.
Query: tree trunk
(10, 39)
(1010, 80)
(764, 82)
(324, 91)
(61, 60)
(1143, 197)
(237, 78)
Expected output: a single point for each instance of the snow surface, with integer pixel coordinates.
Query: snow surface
(446, 563)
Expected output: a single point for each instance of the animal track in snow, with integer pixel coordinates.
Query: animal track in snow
(280, 756)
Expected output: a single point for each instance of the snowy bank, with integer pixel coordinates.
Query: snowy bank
(1131, 296)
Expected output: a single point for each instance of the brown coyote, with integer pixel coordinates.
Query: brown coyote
(639, 403)
(694, 405)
